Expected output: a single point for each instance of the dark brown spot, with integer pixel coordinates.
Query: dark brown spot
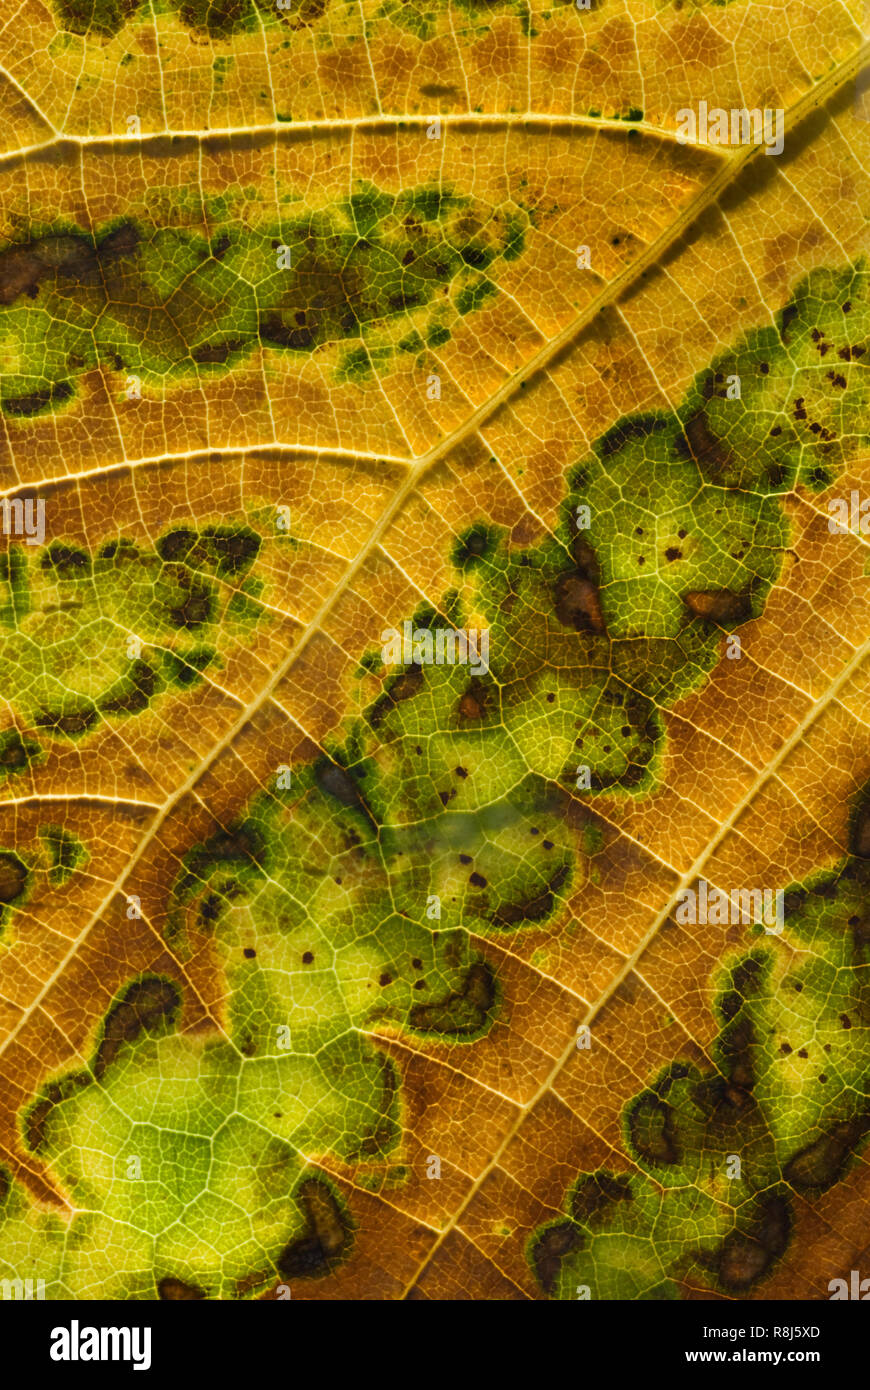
(217, 353)
(13, 877)
(859, 831)
(469, 707)
(175, 1290)
(403, 688)
(463, 1012)
(577, 604)
(147, 1006)
(551, 1248)
(327, 1237)
(652, 1129)
(535, 909)
(706, 448)
(747, 1255)
(821, 1163)
(721, 606)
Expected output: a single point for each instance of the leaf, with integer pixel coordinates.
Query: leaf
(433, 646)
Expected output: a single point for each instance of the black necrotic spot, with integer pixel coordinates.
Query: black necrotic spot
(147, 1006)
(326, 1239)
(35, 402)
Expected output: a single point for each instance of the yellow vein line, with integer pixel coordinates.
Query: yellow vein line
(267, 447)
(352, 123)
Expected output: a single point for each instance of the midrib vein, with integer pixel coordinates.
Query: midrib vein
(117, 140)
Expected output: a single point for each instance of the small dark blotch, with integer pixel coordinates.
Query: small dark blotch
(473, 545)
(577, 603)
(821, 1163)
(13, 877)
(652, 1130)
(210, 911)
(176, 1290)
(16, 753)
(274, 331)
(197, 607)
(217, 353)
(746, 1256)
(35, 402)
(463, 1012)
(789, 313)
(327, 1238)
(404, 687)
(147, 1006)
(337, 782)
(859, 830)
(630, 428)
(535, 909)
(596, 1192)
(68, 562)
(550, 1249)
(133, 694)
(706, 448)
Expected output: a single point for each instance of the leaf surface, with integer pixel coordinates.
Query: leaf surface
(421, 621)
